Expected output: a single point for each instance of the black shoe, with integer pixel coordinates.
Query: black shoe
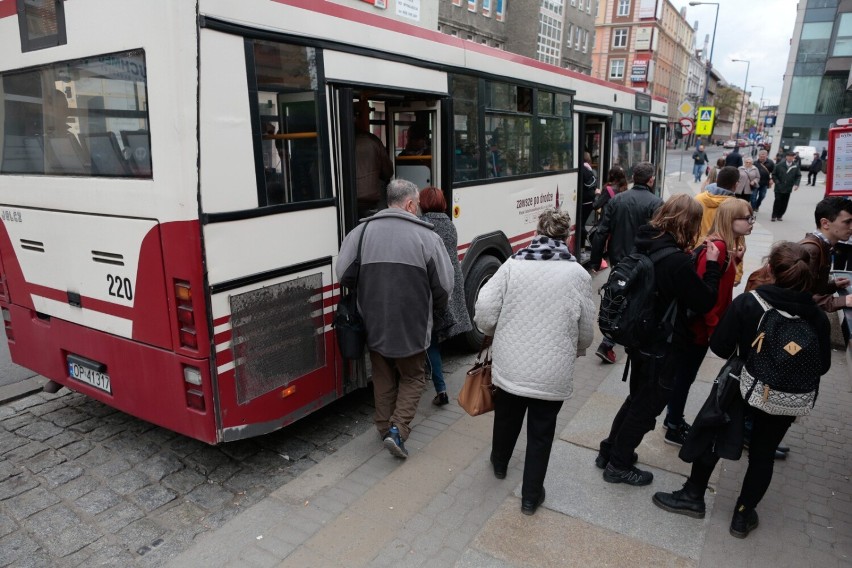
(743, 522)
(676, 435)
(631, 476)
(602, 460)
(441, 399)
(499, 470)
(779, 455)
(783, 449)
(681, 502)
(529, 506)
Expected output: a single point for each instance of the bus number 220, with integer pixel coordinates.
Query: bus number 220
(120, 287)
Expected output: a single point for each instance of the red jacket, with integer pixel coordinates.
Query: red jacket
(702, 325)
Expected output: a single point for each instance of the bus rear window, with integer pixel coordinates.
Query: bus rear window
(87, 117)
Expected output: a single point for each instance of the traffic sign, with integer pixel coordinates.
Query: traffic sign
(687, 125)
(705, 119)
(686, 108)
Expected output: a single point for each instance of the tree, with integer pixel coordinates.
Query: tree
(727, 102)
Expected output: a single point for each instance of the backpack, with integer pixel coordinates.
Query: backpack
(779, 376)
(627, 314)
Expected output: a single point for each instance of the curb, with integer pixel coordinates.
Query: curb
(29, 386)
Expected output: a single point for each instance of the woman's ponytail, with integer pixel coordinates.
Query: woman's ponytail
(790, 265)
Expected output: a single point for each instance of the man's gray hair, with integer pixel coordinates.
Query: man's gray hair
(399, 190)
(554, 223)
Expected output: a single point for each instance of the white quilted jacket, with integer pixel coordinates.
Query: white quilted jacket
(541, 315)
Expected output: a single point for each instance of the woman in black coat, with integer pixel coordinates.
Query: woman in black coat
(738, 329)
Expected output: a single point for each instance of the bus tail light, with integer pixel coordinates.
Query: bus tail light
(192, 388)
(7, 324)
(185, 315)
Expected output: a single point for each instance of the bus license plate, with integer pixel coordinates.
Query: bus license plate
(89, 376)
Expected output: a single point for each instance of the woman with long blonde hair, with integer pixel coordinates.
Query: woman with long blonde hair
(734, 221)
(667, 240)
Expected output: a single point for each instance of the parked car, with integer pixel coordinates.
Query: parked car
(742, 142)
(730, 144)
(806, 156)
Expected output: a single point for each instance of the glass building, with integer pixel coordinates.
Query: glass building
(817, 78)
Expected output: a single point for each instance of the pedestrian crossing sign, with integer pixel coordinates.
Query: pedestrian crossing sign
(704, 121)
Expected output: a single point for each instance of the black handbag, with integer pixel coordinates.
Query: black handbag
(348, 324)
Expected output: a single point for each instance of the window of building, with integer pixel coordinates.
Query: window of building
(287, 125)
(803, 95)
(588, 6)
(577, 31)
(549, 39)
(834, 99)
(585, 41)
(87, 117)
(814, 42)
(623, 8)
(569, 33)
(619, 37)
(616, 69)
(41, 24)
(843, 40)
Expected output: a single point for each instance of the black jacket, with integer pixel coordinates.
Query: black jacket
(621, 219)
(765, 170)
(675, 279)
(734, 158)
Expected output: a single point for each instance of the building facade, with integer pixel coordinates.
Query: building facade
(817, 78)
(418, 12)
(645, 45)
(559, 32)
(480, 21)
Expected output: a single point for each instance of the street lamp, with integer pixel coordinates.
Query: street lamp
(745, 83)
(712, 45)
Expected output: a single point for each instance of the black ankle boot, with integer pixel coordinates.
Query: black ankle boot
(683, 502)
(743, 522)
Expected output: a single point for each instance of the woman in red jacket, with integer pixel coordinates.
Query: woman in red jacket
(734, 221)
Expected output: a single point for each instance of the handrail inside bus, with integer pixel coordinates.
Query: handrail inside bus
(293, 136)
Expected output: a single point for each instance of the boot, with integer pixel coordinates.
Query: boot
(744, 521)
(683, 502)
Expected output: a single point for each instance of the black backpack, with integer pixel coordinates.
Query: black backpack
(780, 375)
(627, 314)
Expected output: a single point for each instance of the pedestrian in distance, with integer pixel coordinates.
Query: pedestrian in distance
(764, 166)
(733, 222)
(454, 318)
(671, 233)
(699, 162)
(816, 167)
(734, 158)
(538, 307)
(621, 219)
(787, 177)
(405, 273)
(749, 179)
(736, 332)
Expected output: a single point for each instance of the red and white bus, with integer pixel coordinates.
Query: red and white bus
(176, 178)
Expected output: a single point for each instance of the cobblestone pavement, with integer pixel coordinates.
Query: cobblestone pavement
(83, 484)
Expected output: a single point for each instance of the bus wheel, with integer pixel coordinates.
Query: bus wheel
(481, 272)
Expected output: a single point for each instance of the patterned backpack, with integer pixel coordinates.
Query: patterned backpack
(781, 375)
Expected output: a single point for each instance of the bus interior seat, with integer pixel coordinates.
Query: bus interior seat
(138, 144)
(421, 176)
(107, 159)
(64, 155)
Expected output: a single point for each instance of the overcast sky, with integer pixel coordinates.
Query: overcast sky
(755, 30)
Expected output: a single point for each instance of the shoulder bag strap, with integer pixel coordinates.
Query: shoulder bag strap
(358, 254)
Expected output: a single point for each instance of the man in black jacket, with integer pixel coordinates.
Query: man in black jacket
(622, 217)
(734, 158)
(765, 167)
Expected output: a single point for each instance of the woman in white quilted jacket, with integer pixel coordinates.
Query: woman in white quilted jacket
(539, 309)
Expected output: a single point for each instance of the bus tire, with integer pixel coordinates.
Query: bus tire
(480, 273)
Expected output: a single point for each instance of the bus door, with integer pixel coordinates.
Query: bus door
(658, 154)
(270, 230)
(595, 136)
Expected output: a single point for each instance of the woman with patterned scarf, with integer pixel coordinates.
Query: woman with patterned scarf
(539, 309)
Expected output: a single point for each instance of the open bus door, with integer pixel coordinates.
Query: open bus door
(415, 142)
(596, 139)
(658, 154)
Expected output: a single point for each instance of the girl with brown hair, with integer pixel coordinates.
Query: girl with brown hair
(669, 238)
(737, 330)
(733, 222)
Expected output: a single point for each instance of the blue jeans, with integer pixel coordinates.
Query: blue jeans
(757, 197)
(698, 170)
(433, 357)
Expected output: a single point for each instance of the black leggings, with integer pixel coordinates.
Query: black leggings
(767, 432)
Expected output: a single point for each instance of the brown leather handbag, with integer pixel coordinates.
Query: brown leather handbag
(477, 393)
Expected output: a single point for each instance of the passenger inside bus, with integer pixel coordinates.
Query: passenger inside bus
(496, 166)
(418, 142)
(63, 151)
(373, 167)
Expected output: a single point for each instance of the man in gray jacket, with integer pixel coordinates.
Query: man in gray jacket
(405, 272)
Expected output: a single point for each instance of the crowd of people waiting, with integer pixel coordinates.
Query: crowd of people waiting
(696, 248)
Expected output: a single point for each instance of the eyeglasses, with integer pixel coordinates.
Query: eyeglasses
(750, 219)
